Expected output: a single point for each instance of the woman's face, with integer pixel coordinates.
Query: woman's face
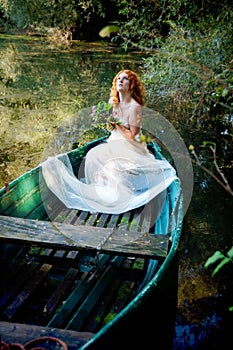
(122, 83)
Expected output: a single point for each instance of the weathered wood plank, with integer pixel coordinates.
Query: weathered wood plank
(15, 279)
(27, 290)
(22, 333)
(84, 237)
(95, 294)
(98, 314)
(60, 291)
(85, 284)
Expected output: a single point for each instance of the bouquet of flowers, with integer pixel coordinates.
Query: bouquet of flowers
(103, 116)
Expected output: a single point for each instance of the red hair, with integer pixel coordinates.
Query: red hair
(136, 87)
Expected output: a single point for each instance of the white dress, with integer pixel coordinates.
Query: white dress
(120, 175)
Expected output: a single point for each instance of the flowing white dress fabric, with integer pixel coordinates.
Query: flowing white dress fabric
(120, 175)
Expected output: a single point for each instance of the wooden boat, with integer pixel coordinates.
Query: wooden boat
(94, 281)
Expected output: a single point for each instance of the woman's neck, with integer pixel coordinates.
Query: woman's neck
(125, 97)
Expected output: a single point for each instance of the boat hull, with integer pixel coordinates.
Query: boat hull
(107, 297)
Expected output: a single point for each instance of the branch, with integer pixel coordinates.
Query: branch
(223, 183)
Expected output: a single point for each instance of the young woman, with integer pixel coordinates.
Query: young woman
(120, 174)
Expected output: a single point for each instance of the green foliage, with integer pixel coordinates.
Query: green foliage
(190, 80)
(109, 317)
(138, 21)
(9, 66)
(194, 62)
(124, 221)
(138, 264)
(145, 24)
(224, 259)
(103, 116)
(42, 15)
(108, 30)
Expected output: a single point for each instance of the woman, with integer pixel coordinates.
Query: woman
(120, 174)
(127, 94)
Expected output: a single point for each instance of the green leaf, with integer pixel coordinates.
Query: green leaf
(215, 257)
(106, 31)
(230, 253)
(222, 263)
(208, 143)
(224, 92)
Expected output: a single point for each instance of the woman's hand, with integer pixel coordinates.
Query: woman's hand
(129, 133)
(111, 126)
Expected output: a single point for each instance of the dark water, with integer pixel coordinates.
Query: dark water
(42, 90)
(203, 317)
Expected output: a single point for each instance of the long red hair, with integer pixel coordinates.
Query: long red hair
(136, 87)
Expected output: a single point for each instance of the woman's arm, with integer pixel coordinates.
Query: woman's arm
(134, 122)
(129, 133)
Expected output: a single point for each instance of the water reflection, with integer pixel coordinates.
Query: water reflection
(42, 88)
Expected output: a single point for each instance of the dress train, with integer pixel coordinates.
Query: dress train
(120, 175)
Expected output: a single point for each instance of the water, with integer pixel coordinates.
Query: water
(42, 91)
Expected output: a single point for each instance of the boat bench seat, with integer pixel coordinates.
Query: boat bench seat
(79, 248)
(24, 333)
(79, 237)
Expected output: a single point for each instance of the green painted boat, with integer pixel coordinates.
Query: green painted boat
(91, 280)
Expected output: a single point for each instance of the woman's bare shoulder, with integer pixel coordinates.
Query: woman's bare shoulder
(135, 107)
(135, 104)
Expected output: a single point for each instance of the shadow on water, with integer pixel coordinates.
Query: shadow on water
(42, 90)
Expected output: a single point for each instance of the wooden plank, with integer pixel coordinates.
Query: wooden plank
(82, 217)
(95, 294)
(15, 279)
(94, 322)
(121, 300)
(27, 290)
(75, 297)
(84, 237)
(113, 220)
(60, 292)
(22, 333)
(95, 302)
(102, 220)
(92, 219)
(67, 216)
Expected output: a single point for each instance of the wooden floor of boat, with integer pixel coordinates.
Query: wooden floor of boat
(64, 289)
